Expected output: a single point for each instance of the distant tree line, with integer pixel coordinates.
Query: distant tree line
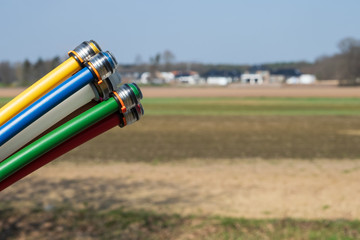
(343, 66)
(25, 73)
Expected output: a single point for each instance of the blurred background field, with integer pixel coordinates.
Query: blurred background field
(203, 168)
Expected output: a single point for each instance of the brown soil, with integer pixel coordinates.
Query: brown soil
(10, 92)
(257, 91)
(249, 188)
(156, 139)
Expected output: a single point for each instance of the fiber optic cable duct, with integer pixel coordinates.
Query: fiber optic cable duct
(74, 63)
(113, 120)
(99, 67)
(98, 92)
(126, 98)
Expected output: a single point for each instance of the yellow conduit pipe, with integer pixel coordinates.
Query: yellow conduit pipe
(73, 64)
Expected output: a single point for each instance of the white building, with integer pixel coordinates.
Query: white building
(161, 77)
(222, 81)
(167, 76)
(251, 78)
(302, 79)
(188, 79)
(144, 79)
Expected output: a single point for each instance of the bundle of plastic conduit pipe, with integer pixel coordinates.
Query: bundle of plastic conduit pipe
(125, 99)
(91, 92)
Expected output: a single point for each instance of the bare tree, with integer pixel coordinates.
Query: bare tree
(168, 58)
(349, 61)
(154, 67)
(344, 66)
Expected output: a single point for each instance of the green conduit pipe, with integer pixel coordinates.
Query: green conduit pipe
(68, 130)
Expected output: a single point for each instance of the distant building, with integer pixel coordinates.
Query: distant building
(265, 75)
(276, 78)
(302, 79)
(282, 75)
(187, 77)
(221, 77)
(251, 78)
(167, 76)
(160, 77)
(222, 81)
(257, 74)
(145, 78)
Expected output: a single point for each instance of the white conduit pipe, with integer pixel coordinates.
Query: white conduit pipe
(65, 108)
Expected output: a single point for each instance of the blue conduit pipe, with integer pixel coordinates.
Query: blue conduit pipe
(99, 67)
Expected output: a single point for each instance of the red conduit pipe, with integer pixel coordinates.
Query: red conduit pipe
(106, 124)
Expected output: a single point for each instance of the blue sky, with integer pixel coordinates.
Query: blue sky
(226, 31)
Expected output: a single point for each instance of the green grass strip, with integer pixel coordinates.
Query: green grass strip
(253, 106)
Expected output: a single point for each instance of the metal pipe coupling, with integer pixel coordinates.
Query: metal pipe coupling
(102, 65)
(128, 96)
(104, 89)
(133, 115)
(85, 51)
